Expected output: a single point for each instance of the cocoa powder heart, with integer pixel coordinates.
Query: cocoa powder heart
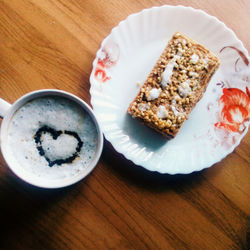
(55, 134)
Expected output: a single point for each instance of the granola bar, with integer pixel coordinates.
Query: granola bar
(174, 86)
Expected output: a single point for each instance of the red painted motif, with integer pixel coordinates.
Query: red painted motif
(100, 72)
(108, 58)
(235, 109)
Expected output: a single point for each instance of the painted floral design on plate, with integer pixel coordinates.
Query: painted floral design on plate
(232, 113)
(107, 58)
(235, 109)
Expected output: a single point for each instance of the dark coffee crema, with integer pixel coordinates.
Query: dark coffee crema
(55, 134)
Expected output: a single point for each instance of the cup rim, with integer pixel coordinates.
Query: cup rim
(30, 178)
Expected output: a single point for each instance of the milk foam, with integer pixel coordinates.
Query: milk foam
(57, 113)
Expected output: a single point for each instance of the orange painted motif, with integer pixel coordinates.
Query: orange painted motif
(100, 72)
(235, 109)
(108, 58)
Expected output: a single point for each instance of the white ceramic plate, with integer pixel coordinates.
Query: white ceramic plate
(215, 127)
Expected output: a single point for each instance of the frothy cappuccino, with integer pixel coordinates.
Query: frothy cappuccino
(52, 137)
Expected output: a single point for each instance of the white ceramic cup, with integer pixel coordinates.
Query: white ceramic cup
(7, 111)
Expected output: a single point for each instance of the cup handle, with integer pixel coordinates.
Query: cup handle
(4, 107)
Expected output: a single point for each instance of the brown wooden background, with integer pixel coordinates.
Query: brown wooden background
(51, 44)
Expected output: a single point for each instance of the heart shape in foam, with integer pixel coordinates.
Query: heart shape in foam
(53, 145)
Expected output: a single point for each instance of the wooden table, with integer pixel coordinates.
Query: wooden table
(51, 44)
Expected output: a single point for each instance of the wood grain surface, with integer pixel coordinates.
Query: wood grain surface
(51, 44)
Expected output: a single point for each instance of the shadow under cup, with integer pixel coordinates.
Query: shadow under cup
(34, 178)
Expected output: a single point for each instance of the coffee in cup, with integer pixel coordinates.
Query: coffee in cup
(52, 137)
